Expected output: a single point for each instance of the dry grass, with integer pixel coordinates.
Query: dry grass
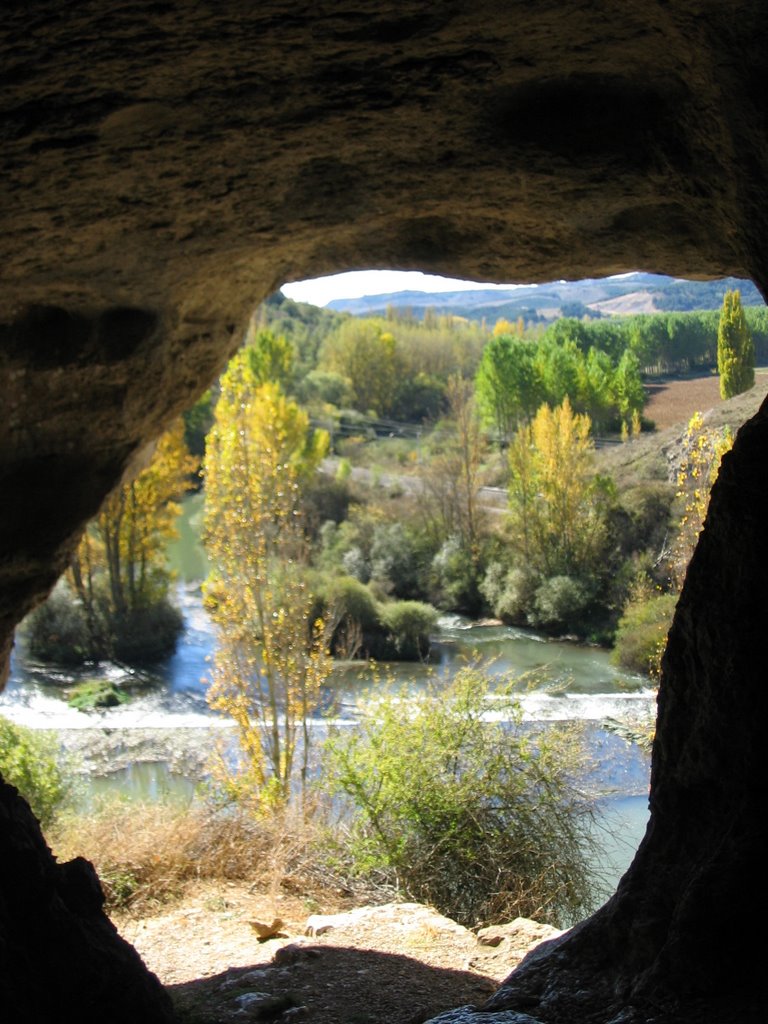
(146, 854)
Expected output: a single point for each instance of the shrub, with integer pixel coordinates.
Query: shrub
(348, 598)
(393, 559)
(510, 594)
(30, 761)
(355, 564)
(642, 633)
(409, 625)
(480, 819)
(57, 631)
(560, 601)
(455, 578)
(146, 634)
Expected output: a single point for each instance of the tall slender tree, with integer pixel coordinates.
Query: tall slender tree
(735, 348)
(272, 653)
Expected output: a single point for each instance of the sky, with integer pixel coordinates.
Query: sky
(355, 283)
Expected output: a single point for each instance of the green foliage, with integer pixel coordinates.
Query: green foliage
(508, 384)
(271, 357)
(197, 422)
(481, 819)
(455, 577)
(114, 603)
(92, 694)
(57, 630)
(419, 398)
(31, 761)
(509, 592)
(146, 633)
(327, 387)
(735, 348)
(368, 357)
(409, 625)
(561, 602)
(351, 602)
(642, 633)
(392, 558)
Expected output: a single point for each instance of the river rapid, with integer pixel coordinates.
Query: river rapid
(158, 743)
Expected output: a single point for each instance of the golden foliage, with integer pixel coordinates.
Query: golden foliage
(555, 519)
(704, 449)
(272, 654)
(120, 562)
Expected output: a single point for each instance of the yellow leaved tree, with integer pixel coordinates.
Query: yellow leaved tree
(704, 448)
(556, 520)
(272, 656)
(119, 571)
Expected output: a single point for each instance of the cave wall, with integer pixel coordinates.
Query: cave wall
(166, 165)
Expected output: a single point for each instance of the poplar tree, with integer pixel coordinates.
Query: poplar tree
(272, 655)
(556, 521)
(119, 570)
(735, 348)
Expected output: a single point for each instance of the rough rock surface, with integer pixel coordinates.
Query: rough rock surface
(55, 937)
(165, 165)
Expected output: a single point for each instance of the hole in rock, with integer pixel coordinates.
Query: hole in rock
(466, 491)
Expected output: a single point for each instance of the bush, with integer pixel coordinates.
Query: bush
(455, 578)
(393, 559)
(30, 761)
(480, 819)
(561, 602)
(409, 625)
(642, 633)
(57, 631)
(146, 634)
(347, 598)
(510, 594)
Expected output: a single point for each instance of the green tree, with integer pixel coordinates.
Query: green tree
(368, 357)
(507, 384)
(451, 501)
(735, 348)
(627, 388)
(272, 653)
(271, 357)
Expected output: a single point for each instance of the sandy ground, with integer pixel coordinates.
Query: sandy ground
(400, 962)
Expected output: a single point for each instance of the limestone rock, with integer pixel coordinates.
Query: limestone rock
(165, 167)
(399, 917)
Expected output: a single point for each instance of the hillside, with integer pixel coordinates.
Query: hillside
(626, 293)
(655, 456)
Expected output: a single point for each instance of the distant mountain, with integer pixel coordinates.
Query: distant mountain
(610, 296)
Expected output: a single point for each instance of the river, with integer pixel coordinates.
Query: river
(156, 744)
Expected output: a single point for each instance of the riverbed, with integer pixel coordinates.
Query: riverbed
(157, 745)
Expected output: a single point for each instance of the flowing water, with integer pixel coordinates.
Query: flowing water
(556, 681)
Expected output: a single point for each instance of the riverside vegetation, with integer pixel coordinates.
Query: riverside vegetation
(306, 566)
